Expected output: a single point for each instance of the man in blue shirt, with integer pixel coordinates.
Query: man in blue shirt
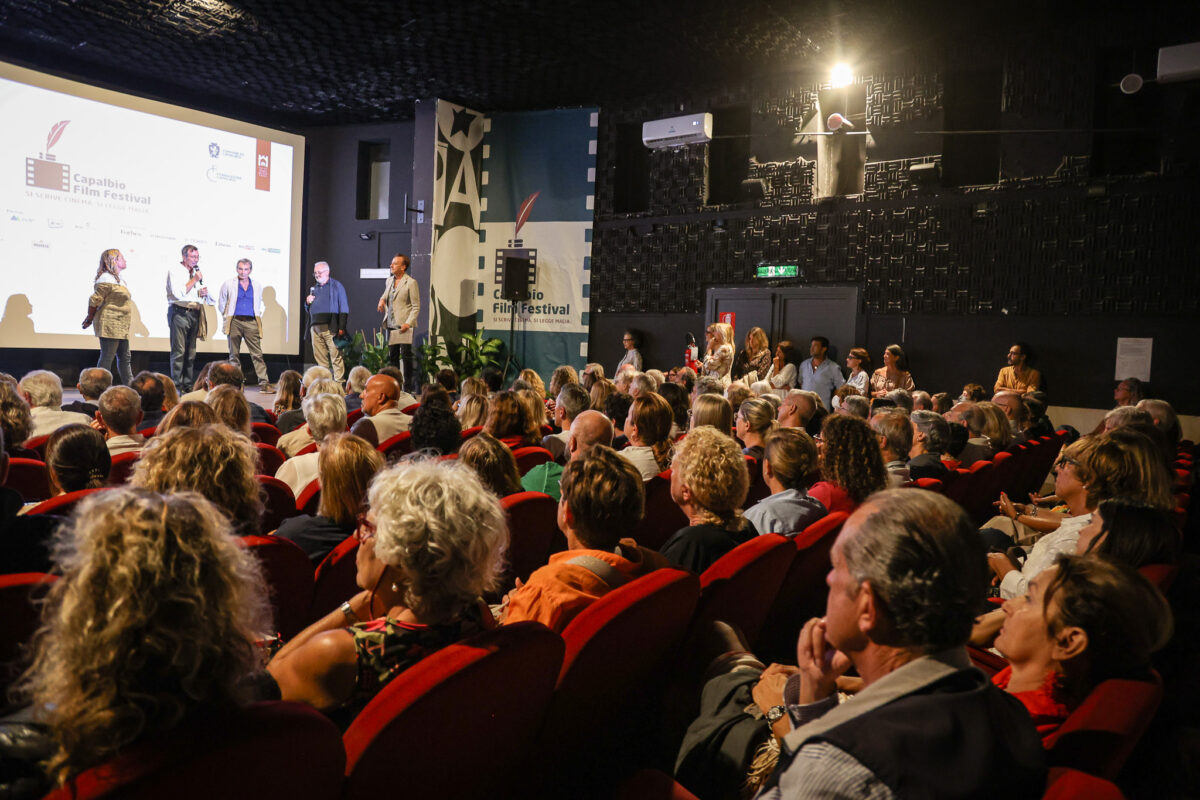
(328, 313)
(241, 305)
(819, 374)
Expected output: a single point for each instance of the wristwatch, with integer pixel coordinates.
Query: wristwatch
(774, 714)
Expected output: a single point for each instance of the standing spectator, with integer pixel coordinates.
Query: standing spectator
(819, 374)
(893, 374)
(754, 358)
(631, 340)
(859, 364)
(718, 352)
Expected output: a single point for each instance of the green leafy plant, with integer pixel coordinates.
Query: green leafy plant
(372, 355)
(468, 357)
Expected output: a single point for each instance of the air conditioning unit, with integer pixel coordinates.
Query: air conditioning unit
(677, 131)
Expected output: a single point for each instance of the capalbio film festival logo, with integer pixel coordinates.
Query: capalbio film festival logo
(45, 172)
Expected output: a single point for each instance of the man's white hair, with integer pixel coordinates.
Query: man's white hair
(314, 374)
(43, 387)
(325, 414)
(357, 380)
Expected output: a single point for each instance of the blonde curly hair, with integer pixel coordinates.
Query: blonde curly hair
(209, 459)
(154, 618)
(713, 468)
(438, 525)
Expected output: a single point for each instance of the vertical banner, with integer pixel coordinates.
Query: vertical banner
(453, 274)
(262, 165)
(513, 194)
(539, 175)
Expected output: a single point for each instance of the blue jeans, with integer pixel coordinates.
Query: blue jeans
(120, 349)
(185, 327)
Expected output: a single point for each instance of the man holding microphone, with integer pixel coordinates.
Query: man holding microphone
(328, 313)
(186, 298)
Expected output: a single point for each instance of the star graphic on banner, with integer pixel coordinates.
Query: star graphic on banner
(462, 122)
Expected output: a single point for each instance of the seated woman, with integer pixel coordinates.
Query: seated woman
(509, 422)
(1119, 464)
(431, 546)
(1131, 532)
(648, 431)
(789, 463)
(680, 404)
(714, 411)
(493, 462)
(231, 407)
(287, 396)
(851, 464)
(210, 460)
(301, 436)
(996, 427)
(1082, 621)
(187, 633)
(755, 421)
(535, 409)
(893, 374)
(345, 465)
(435, 429)
(472, 410)
(16, 421)
(188, 414)
(600, 391)
(781, 374)
(77, 458)
(325, 414)
(709, 483)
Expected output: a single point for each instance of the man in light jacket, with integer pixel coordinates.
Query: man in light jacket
(401, 303)
(241, 306)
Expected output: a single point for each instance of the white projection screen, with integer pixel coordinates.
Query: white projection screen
(84, 169)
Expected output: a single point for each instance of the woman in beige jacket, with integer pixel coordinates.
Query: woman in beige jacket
(109, 311)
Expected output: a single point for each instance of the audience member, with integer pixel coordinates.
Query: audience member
(435, 429)
(851, 464)
(781, 376)
(602, 497)
(570, 402)
(906, 576)
(921, 401)
(345, 466)
(493, 378)
(1132, 532)
(382, 418)
(714, 411)
(902, 398)
(942, 402)
(472, 410)
(707, 385)
(447, 379)
(493, 461)
(120, 414)
(591, 373)
(709, 483)
(93, 381)
(42, 390)
(404, 399)
(1018, 376)
(25, 545)
(686, 377)
(588, 429)
(929, 436)
(894, 433)
(818, 374)
(680, 405)
(77, 459)
(648, 431)
(640, 383)
(996, 426)
(473, 385)
(508, 420)
(229, 373)
(796, 410)
(130, 649)
(1165, 418)
(152, 394)
(893, 374)
(755, 357)
(1125, 415)
(718, 352)
(290, 419)
(534, 380)
(188, 414)
(789, 464)
(534, 405)
(616, 407)
(326, 415)
(211, 460)
(977, 446)
(859, 363)
(755, 421)
(356, 381)
(430, 547)
(170, 393)
(200, 386)
(856, 407)
(972, 393)
(1129, 392)
(231, 407)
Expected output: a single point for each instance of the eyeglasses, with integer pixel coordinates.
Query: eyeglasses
(364, 529)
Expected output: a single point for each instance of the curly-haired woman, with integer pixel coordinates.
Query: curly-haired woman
(851, 465)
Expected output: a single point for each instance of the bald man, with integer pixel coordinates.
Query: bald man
(588, 429)
(382, 419)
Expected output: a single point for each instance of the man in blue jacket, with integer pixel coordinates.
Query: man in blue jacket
(328, 313)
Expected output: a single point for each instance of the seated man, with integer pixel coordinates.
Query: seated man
(92, 383)
(43, 391)
(602, 496)
(404, 399)
(797, 409)
(907, 574)
(978, 447)
(1018, 376)
(119, 417)
(894, 432)
(326, 414)
(228, 372)
(589, 428)
(356, 381)
(382, 419)
(930, 434)
(570, 403)
(153, 394)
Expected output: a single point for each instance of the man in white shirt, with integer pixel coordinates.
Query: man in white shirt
(43, 391)
(241, 306)
(186, 298)
(118, 419)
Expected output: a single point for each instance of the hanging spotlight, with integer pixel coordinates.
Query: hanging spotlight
(841, 75)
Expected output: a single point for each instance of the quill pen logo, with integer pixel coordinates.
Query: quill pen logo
(44, 171)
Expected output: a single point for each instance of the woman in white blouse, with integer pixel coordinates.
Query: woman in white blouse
(718, 355)
(859, 364)
(109, 312)
(781, 376)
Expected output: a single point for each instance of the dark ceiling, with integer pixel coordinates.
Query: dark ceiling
(306, 62)
(298, 63)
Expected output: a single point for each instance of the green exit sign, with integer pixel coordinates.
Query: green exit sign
(778, 271)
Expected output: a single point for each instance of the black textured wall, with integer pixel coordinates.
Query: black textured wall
(1058, 241)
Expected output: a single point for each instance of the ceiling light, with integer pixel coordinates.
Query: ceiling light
(841, 75)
